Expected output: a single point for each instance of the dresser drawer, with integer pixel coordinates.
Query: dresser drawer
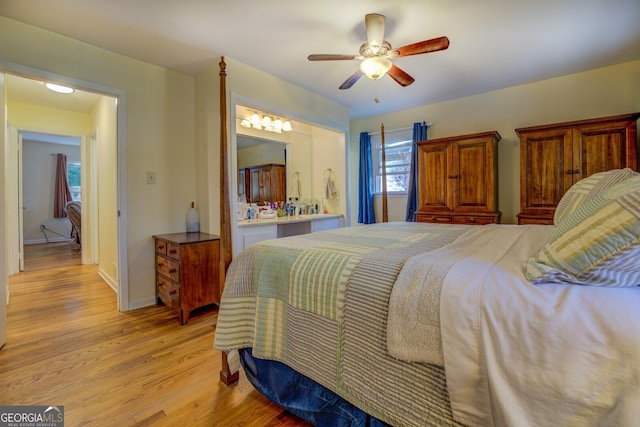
(540, 221)
(168, 291)
(168, 267)
(173, 251)
(161, 247)
(479, 220)
(433, 218)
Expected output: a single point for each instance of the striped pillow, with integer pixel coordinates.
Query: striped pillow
(597, 244)
(589, 187)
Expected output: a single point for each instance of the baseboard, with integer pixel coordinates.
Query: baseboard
(51, 240)
(147, 302)
(113, 284)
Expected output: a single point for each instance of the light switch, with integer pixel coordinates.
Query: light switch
(151, 177)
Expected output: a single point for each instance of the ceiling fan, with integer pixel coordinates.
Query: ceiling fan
(376, 54)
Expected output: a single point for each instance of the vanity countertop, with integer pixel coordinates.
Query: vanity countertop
(286, 219)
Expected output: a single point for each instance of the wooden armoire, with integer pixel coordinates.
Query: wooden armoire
(458, 179)
(266, 183)
(555, 156)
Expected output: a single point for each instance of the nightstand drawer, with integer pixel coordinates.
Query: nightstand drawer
(168, 291)
(168, 268)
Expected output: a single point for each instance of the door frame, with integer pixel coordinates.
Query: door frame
(121, 173)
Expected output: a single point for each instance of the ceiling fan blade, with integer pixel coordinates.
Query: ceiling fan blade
(433, 45)
(331, 57)
(374, 24)
(352, 80)
(400, 76)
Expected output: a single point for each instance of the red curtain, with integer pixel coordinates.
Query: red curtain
(62, 194)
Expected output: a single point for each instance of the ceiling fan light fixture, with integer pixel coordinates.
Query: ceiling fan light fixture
(59, 88)
(375, 67)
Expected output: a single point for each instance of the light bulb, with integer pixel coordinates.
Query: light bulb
(59, 88)
(375, 67)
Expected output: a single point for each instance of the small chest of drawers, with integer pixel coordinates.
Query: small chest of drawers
(187, 271)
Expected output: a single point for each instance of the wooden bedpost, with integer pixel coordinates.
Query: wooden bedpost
(226, 376)
(385, 209)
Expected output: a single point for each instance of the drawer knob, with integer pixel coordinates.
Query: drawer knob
(173, 251)
(161, 247)
(160, 264)
(172, 270)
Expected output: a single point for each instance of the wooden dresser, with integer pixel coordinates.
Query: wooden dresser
(187, 271)
(555, 156)
(458, 179)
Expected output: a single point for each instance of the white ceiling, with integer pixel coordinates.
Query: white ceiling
(494, 43)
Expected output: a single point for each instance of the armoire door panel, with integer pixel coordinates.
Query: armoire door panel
(548, 169)
(471, 172)
(434, 159)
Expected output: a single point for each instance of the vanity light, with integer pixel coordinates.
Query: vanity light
(262, 121)
(59, 88)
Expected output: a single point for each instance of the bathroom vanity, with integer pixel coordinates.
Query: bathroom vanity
(252, 231)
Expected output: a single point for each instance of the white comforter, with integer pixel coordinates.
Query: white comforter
(516, 354)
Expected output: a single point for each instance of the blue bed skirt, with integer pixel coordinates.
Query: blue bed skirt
(302, 396)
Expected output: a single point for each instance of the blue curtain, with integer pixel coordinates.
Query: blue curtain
(366, 214)
(419, 134)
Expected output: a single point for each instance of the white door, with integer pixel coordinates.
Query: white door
(4, 277)
(20, 208)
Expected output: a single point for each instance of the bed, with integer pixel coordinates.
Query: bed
(412, 324)
(431, 324)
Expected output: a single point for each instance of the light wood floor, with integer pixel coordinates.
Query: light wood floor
(69, 346)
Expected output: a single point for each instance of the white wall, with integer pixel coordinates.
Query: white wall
(159, 135)
(250, 87)
(38, 188)
(597, 93)
(104, 124)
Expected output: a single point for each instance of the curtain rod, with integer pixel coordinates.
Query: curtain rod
(429, 124)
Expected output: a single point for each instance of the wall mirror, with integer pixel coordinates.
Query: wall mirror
(257, 147)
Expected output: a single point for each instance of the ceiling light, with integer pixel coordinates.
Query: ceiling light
(286, 126)
(375, 67)
(245, 123)
(59, 88)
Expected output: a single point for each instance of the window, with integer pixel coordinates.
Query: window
(73, 176)
(397, 146)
